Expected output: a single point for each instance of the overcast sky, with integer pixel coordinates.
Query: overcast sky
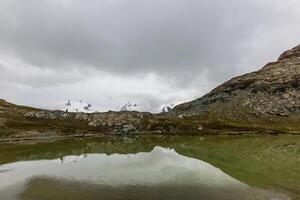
(108, 52)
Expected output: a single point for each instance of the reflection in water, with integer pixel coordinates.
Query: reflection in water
(159, 174)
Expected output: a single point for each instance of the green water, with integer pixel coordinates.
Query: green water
(262, 161)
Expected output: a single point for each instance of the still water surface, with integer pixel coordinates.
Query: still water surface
(130, 168)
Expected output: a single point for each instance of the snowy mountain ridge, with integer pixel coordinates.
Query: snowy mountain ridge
(81, 106)
(76, 106)
(144, 108)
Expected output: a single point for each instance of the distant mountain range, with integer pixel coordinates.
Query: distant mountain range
(81, 106)
(143, 108)
(265, 101)
(76, 106)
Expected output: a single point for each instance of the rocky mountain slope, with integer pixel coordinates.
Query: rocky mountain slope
(265, 101)
(270, 95)
(26, 123)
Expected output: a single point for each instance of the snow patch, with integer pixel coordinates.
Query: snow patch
(75, 106)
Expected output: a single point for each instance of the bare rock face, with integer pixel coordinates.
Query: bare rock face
(273, 90)
(119, 122)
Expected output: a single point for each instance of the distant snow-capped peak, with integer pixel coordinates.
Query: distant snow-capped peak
(144, 108)
(133, 107)
(81, 106)
(76, 106)
(166, 108)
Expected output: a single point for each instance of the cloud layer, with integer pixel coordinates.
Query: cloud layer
(157, 51)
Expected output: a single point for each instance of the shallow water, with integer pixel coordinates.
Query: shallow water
(125, 168)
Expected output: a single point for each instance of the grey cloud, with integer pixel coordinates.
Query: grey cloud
(172, 37)
(192, 45)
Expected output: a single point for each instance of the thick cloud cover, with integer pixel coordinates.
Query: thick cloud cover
(159, 51)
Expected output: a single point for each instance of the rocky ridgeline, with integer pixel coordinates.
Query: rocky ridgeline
(272, 91)
(123, 122)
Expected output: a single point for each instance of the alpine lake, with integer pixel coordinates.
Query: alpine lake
(152, 168)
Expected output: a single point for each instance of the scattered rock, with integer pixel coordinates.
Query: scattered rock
(200, 127)
(92, 123)
(2, 121)
(127, 129)
(180, 116)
